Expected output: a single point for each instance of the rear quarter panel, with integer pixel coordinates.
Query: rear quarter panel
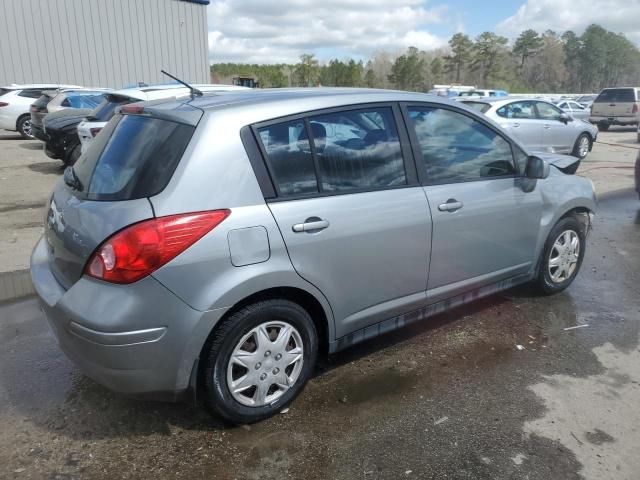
(215, 173)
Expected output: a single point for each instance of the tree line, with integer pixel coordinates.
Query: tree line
(546, 62)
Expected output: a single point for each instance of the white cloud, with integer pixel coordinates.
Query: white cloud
(257, 31)
(620, 16)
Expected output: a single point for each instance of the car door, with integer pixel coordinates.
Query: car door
(558, 135)
(520, 120)
(485, 225)
(355, 221)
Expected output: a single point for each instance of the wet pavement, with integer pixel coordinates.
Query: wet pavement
(451, 398)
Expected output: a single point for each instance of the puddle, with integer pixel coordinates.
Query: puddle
(596, 417)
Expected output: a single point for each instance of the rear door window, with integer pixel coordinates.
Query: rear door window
(345, 151)
(4, 91)
(134, 157)
(358, 149)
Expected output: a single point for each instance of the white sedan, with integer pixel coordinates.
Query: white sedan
(577, 111)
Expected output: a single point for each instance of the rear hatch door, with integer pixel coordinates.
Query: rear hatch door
(614, 103)
(108, 188)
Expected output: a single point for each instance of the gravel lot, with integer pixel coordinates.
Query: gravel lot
(449, 398)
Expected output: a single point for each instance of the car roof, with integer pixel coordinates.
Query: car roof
(152, 92)
(44, 86)
(257, 105)
(328, 95)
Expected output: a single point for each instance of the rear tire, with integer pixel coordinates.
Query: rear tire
(603, 126)
(261, 363)
(558, 267)
(24, 127)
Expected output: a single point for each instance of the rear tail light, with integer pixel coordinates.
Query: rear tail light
(4, 104)
(139, 250)
(133, 109)
(95, 131)
(635, 108)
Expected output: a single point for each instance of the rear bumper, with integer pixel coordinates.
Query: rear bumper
(38, 132)
(614, 120)
(137, 339)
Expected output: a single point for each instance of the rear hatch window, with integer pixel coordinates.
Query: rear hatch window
(107, 108)
(478, 106)
(133, 157)
(4, 91)
(616, 95)
(40, 105)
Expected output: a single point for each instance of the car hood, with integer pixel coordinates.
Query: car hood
(561, 162)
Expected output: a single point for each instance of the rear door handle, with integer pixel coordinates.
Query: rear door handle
(451, 206)
(515, 125)
(547, 127)
(312, 224)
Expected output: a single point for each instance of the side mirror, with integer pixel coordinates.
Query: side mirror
(537, 168)
(566, 118)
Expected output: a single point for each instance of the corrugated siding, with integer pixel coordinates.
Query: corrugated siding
(102, 43)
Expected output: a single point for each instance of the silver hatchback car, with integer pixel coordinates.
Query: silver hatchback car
(219, 243)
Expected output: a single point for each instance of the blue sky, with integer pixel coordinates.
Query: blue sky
(260, 31)
(476, 16)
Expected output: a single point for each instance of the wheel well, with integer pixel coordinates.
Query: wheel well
(582, 215)
(296, 295)
(20, 118)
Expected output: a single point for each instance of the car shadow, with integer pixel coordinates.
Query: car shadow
(32, 145)
(88, 409)
(47, 168)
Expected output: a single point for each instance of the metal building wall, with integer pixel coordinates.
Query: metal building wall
(102, 43)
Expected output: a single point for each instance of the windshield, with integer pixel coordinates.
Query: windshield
(133, 157)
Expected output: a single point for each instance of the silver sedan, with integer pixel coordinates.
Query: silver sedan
(577, 111)
(540, 125)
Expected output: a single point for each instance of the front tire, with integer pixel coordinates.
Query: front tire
(582, 146)
(562, 256)
(258, 360)
(24, 127)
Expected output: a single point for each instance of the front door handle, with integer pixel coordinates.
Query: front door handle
(515, 125)
(547, 127)
(313, 224)
(451, 206)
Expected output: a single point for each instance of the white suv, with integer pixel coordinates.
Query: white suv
(15, 101)
(91, 126)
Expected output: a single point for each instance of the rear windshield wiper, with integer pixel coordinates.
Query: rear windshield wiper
(71, 179)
